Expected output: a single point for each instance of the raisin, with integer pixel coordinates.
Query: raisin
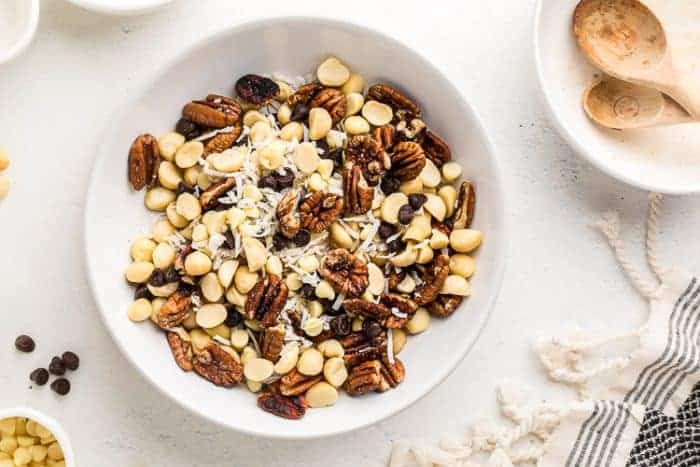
(171, 274)
(157, 278)
(341, 326)
(268, 181)
(285, 180)
(233, 317)
(371, 328)
(302, 238)
(256, 89)
(390, 185)
(188, 128)
(308, 292)
(279, 241)
(142, 291)
(300, 112)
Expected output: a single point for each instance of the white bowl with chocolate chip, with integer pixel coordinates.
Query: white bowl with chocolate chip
(115, 214)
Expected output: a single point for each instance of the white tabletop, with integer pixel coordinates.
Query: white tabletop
(58, 97)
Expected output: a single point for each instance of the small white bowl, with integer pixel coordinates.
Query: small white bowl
(115, 215)
(665, 160)
(18, 20)
(52, 425)
(121, 7)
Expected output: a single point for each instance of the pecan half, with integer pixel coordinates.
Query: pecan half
(266, 300)
(214, 112)
(434, 279)
(286, 212)
(358, 194)
(175, 310)
(333, 101)
(318, 211)
(292, 408)
(464, 214)
(445, 305)
(294, 383)
(256, 89)
(182, 351)
(435, 148)
(209, 199)
(365, 378)
(407, 161)
(398, 303)
(368, 153)
(393, 374)
(271, 343)
(359, 349)
(361, 307)
(217, 366)
(386, 135)
(404, 108)
(304, 94)
(222, 141)
(144, 160)
(345, 271)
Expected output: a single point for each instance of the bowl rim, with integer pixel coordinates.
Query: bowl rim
(56, 429)
(500, 206)
(26, 36)
(117, 9)
(579, 147)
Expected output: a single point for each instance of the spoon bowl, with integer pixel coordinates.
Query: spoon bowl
(620, 105)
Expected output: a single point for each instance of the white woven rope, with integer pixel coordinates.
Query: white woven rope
(653, 232)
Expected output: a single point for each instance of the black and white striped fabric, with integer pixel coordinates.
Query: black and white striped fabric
(649, 415)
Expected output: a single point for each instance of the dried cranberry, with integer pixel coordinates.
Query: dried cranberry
(300, 112)
(256, 89)
(233, 317)
(268, 181)
(386, 230)
(417, 200)
(308, 292)
(279, 241)
(341, 326)
(371, 328)
(302, 238)
(390, 185)
(405, 214)
(25, 343)
(188, 128)
(142, 291)
(157, 278)
(40, 376)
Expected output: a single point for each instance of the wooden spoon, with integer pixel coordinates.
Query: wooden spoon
(620, 105)
(626, 40)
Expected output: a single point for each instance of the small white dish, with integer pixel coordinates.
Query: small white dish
(52, 425)
(18, 23)
(665, 160)
(121, 7)
(115, 215)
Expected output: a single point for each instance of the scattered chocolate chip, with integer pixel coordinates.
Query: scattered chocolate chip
(308, 292)
(386, 230)
(182, 187)
(341, 326)
(25, 344)
(157, 278)
(40, 376)
(233, 317)
(61, 386)
(256, 89)
(396, 245)
(371, 328)
(188, 128)
(268, 181)
(417, 200)
(71, 360)
(405, 214)
(171, 274)
(142, 291)
(300, 112)
(302, 238)
(390, 185)
(279, 241)
(57, 367)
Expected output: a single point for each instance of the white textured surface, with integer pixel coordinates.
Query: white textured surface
(58, 97)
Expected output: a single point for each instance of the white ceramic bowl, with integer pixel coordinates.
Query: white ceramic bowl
(52, 425)
(121, 7)
(18, 20)
(114, 215)
(665, 160)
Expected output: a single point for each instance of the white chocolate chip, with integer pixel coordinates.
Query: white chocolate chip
(321, 394)
(273, 265)
(354, 102)
(239, 339)
(320, 123)
(430, 175)
(189, 154)
(332, 72)
(465, 240)
(306, 158)
(316, 182)
(258, 369)
(315, 308)
(356, 125)
(325, 169)
(260, 132)
(140, 310)
(376, 113)
(313, 327)
(439, 240)
(308, 263)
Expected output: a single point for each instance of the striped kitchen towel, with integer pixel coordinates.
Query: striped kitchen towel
(637, 410)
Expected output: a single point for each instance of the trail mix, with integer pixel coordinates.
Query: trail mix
(308, 229)
(24, 441)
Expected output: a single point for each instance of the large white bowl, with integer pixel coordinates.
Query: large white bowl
(665, 160)
(114, 215)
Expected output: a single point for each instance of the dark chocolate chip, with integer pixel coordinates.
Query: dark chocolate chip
(300, 112)
(61, 386)
(142, 291)
(308, 292)
(417, 200)
(25, 344)
(57, 367)
(182, 187)
(71, 360)
(406, 214)
(279, 241)
(302, 238)
(396, 245)
(341, 325)
(188, 128)
(233, 317)
(40, 376)
(386, 230)
(285, 180)
(390, 185)
(371, 328)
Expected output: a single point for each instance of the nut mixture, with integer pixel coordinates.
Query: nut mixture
(308, 228)
(24, 441)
